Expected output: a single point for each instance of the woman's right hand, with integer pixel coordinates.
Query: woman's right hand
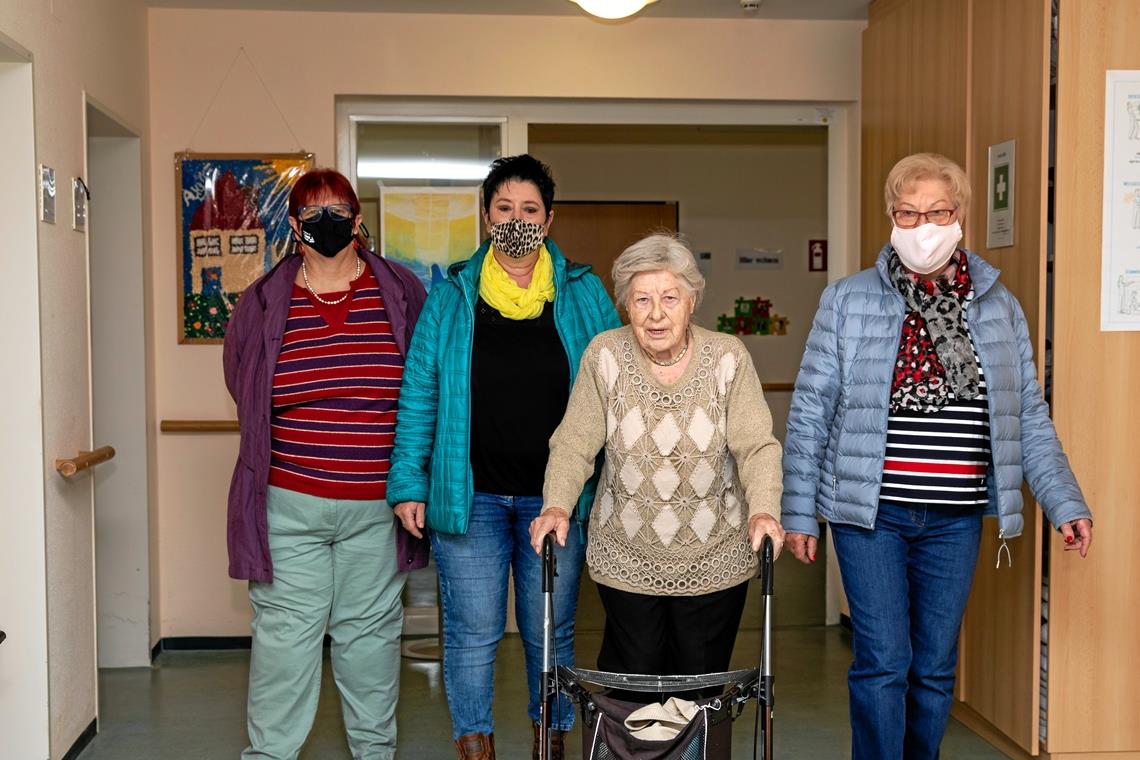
(802, 546)
(554, 520)
(411, 514)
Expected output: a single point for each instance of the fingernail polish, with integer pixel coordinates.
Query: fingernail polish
(813, 558)
(1068, 539)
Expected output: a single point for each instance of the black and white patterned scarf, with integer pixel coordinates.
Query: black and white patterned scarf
(941, 325)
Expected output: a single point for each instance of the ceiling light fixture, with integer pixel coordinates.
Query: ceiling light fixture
(612, 9)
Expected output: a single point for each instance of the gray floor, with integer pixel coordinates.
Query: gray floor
(191, 705)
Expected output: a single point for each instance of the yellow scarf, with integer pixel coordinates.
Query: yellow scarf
(505, 296)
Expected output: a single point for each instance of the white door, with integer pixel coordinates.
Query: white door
(23, 577)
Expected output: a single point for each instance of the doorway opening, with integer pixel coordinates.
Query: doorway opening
(118, 390)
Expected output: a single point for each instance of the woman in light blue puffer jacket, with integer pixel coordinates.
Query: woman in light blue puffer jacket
(917, 411)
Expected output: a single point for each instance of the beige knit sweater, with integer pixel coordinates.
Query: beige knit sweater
(681, 463)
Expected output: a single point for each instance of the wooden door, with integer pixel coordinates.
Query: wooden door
(596, 232)
(1094, 620)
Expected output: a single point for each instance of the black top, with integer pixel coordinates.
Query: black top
(520, 383)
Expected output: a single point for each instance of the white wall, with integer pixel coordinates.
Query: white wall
(96, 47)
(431, 55)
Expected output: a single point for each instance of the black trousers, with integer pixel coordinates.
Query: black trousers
(669, 635)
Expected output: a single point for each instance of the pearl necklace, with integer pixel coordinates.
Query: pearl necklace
(674, 360)
(308, 287)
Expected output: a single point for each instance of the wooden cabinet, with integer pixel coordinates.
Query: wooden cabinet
(955, 78)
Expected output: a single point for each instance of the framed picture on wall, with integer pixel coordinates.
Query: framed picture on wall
(429, 228)
(232, 228)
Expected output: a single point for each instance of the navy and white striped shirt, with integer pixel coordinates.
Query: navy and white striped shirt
(939, 458)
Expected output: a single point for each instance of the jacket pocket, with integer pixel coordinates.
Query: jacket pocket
(834, 444)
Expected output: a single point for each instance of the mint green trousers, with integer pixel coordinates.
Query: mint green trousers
(334, 568)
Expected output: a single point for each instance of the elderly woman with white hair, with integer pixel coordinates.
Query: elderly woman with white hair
(692, 475)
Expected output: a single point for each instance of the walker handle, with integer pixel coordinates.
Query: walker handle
(549, 569)
(766, 552)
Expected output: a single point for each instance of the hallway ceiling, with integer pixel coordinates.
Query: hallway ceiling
(769, 9)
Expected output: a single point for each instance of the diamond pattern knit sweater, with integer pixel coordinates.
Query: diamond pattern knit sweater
(686, 465)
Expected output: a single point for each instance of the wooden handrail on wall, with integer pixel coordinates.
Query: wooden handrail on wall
(198, 426)
(85, 461)
(231, 426)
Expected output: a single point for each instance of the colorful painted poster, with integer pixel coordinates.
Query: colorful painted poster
(429, 228)
(232, 228)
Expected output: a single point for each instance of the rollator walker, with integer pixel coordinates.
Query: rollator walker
(708, 736)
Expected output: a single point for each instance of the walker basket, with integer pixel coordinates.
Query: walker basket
(708, 736)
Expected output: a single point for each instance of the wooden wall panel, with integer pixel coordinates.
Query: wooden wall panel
(1009, 99)
(940, 78)
(887, 93)
(1094, 697)
(915, 96)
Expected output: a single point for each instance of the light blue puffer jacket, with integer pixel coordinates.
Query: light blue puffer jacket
(837, 426)
(431, 460)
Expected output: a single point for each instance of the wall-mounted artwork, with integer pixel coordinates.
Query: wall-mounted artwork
(232, 228)
(429, 228)
(752, 316)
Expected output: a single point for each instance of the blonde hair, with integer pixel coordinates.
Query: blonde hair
(655, 253)
(921, 166)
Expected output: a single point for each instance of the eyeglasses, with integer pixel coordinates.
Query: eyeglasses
(337, 211)
(906, 218)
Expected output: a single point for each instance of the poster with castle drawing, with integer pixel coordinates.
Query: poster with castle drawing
(232, 228)
(1120, 239)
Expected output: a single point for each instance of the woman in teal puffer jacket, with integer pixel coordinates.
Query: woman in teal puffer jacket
(486, 383)
(916, 411)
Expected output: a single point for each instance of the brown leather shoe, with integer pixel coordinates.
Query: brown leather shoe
(556, 751)
(476, 747)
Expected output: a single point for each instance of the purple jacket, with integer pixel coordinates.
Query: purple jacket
(253, 343)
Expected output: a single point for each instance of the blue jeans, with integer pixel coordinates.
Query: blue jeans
(473, 572)
(907, 582)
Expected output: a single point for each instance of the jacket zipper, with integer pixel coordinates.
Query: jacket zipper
(1003, 548)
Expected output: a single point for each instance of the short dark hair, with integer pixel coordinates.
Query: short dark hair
(523, 168)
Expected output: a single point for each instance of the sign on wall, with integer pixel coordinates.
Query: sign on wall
(999, 203)
(1120, 227)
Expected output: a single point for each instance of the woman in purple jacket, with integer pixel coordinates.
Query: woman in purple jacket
(314, 357)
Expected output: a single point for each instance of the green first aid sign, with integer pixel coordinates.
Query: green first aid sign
(1000, 185)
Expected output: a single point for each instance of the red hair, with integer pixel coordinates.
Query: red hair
(317, 184)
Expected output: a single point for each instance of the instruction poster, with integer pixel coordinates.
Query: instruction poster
(1120, 254)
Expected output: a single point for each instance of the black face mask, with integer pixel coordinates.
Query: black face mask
(327, 236)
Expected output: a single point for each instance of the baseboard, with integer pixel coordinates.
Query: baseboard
(971, 719)
(201, 643)
(205, 644)
(418, 621)
(83, 740)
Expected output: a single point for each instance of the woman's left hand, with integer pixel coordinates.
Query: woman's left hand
(1078, 536)
(765, 525)
(551, 520)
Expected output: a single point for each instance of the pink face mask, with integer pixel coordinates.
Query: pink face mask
(926, 248)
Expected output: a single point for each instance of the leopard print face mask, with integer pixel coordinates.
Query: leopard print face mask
(516, 238)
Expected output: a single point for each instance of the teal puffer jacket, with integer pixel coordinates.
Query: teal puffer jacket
(431, 461)
(837, 425)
